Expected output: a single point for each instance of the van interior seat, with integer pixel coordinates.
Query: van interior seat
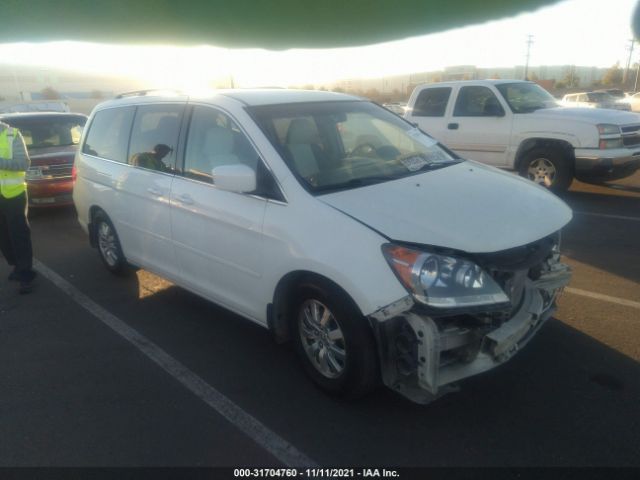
(218, 148)
(300, 140)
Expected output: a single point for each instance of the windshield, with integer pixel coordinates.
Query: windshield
(340, 145)
(524, 97)
(616, 93)
(600, 97)
(49, 131)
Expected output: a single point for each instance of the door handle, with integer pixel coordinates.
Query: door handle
(185, 199)
(453, 126)
(154, 191)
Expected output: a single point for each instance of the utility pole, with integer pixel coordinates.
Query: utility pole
(626, 70)
(526, 65)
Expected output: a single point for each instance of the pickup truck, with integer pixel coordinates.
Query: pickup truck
(517, 125)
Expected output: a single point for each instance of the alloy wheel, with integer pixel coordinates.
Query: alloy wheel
(542, 171)
(107, 244)
(322, 338)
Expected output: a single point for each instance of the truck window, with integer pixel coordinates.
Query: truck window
(432, 102)
(476, 101)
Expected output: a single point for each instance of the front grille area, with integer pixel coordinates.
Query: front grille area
(631, 135)
(49, 172)
(510, 268)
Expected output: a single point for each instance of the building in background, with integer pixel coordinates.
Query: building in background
(81, 92)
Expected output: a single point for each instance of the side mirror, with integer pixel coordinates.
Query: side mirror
(235, 178)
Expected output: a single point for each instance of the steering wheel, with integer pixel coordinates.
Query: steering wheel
(364, 149)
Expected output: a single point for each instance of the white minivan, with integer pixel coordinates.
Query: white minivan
(383, 256)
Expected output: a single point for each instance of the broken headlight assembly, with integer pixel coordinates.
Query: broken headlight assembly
(443, 282)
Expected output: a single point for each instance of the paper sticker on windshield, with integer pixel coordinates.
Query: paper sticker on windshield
(414, 163)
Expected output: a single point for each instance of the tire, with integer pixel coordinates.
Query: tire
(351, 375)
(108, 244)
(548, 167)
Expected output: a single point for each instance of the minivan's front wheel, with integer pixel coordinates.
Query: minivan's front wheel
(109, 245)
(547, 167)
(334, 342)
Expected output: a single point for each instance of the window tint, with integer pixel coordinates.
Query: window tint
(109, 134)
(477, 101)
(215, 140)
(331, 146)
(432, 102)
(50, 131)
(155, 136)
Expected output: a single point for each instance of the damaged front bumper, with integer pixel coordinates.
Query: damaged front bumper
(422, 356)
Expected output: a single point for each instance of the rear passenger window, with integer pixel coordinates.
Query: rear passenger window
(109, 134)
(154, 137)
(432, 102)
(215, 140)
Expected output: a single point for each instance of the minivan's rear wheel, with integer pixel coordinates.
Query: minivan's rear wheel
(547, 167)
(109, 245)
(333, 341)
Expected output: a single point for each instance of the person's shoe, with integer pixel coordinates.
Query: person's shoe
(25, 287)
(15, 277)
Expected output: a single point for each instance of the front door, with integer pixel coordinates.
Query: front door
(218, 234)
(479, 128)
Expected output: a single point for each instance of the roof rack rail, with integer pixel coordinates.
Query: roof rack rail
(141, 93)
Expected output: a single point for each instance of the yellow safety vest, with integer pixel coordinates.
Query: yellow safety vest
(12, 183)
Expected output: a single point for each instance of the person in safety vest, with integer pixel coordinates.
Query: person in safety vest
(15, 234)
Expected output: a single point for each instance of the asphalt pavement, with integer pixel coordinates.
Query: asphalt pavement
(97, 370)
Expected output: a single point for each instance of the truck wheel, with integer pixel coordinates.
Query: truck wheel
(108, 243)
(547, 167)
(333, 341)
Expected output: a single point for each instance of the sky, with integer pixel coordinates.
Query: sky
(573, 32)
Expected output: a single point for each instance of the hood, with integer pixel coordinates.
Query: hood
(467, 206)
(589, 115)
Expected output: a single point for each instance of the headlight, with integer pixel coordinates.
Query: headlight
(441, 281)
(610, 136)
(608, 129)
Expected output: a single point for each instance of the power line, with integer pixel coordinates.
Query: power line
(526, 65)
(626, 70)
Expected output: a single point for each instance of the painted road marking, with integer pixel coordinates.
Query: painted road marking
(617, 217)
(605, 298)
(249, 425)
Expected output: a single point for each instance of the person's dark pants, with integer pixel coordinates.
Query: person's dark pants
(15, 236)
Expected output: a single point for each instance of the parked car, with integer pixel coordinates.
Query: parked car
(51, 139)
(517, 125)
(34, 106)
(330, 221)
(633, 101)
(614, 92)
(598, 99)
(396, 107)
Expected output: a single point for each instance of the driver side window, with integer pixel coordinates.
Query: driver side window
(215, 140)
(477, 101)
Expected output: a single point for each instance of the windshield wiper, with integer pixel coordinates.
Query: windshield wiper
(353, 183)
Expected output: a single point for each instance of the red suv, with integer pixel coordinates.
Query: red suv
(52, 139)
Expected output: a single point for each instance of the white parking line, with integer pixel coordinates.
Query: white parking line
(617, 217)
(605, 298)
(249, 425)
